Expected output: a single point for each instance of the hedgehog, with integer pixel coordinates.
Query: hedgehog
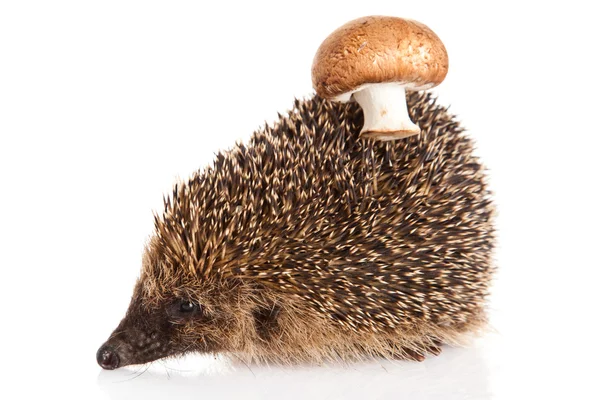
(310, 244)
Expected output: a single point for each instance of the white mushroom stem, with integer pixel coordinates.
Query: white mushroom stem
(385, 112)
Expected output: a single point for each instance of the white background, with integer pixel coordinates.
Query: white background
(103, 104)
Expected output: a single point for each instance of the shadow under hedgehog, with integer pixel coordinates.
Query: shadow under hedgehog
(283, 251)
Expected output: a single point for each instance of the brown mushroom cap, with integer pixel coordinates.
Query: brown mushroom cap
(379, 49)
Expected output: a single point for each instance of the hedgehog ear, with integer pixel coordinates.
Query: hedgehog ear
(266, 320)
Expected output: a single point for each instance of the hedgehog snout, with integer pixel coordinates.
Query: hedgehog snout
(107, 357)
(133, 346)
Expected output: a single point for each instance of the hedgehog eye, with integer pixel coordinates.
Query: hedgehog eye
(182, 310)
(187, 307)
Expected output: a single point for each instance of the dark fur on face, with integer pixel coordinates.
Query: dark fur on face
(176, 324)
(310, 244)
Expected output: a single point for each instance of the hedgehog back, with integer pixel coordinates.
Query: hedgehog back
(371, 235)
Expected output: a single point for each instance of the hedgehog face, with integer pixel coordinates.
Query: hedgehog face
(172, 326)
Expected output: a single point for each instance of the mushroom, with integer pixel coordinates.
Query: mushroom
(374, 60)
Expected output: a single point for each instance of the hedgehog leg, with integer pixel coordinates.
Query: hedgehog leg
(418, 355)
(434, 349)
(419, 352)
(411, 355)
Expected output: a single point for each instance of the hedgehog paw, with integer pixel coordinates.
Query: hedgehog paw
(419, 354)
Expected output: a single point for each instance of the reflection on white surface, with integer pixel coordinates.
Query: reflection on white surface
(458, 373)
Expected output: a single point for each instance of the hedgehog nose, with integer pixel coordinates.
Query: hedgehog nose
(107, 358)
